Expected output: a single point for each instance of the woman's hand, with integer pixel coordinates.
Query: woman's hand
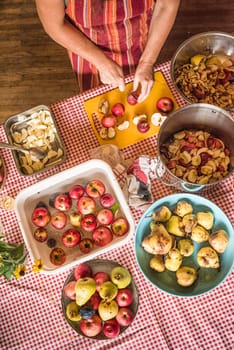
(144, 80)
(112, 74)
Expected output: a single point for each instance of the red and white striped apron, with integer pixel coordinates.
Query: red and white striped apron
(118, 27)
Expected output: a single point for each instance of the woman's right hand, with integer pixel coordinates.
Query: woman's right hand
(111, 73)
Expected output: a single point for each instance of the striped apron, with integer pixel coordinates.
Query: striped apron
(118, 27)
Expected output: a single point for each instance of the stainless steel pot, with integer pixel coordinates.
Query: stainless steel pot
(202, 43)
(200, 116)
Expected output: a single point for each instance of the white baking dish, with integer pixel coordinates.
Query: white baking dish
(28, 198)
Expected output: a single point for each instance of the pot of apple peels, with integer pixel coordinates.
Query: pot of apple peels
(195, 147)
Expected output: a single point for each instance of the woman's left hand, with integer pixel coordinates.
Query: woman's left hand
(144, 80)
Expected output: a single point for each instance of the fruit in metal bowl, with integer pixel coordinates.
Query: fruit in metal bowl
(106, 300)
(207, 79)
(196, 156)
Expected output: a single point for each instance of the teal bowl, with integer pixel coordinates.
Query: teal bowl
(208, 278)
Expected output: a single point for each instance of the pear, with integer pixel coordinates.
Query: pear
(159, 241)
(162, 214)
(186, 276)
(84, 288)
(108, 291)
(173, 260)
(157, 263)
(189, 221)
(205, 219)
(199, 234)
(207, 257)
(183, 208)
(186, 247)
(175, 226)
(120, 276)
(108, 310)
(72, 311)
(219, 240)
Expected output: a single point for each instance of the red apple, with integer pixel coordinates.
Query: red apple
(76, 191)
(57, 256)
(120, 226)
(89, 222)
(143, 126)
(62, 202)
(124, 297)
(132, 98)
(40, 234)
(102, 236)
(71, 238)
(95, 188)
(82, 270)
(91, 326)
(108, 121)
(107, 200)
(105, 216)
(94, 301)
(86, 245)
(111, 328)
(124, 316)
(165, 105)
(58, 220)
(75, 219)
(86, 205)
(100, 277)
(69, 290)
(40, 216)
(118, 109)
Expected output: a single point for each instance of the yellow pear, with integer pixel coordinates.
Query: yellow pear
(108, 309)
(84, 288)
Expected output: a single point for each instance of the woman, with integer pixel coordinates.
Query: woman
(107, 39)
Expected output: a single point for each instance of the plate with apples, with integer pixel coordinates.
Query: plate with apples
(100, 299)
(74, 216)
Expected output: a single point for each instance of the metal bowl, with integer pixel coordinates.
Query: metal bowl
(106, 266)
(203, 43)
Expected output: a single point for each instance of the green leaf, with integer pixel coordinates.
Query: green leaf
(6, 246)
(115, 208)
(17, 253)
(7, 270)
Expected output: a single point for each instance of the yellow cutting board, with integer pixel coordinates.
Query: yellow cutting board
(131, 135)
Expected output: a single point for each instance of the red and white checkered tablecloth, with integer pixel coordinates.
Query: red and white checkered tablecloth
(30, 309)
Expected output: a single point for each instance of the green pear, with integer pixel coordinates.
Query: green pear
(120, 276)
(108, 290)
(162, 214)
(108, 309)
(72, 311)
(174, 226)
(84, 288)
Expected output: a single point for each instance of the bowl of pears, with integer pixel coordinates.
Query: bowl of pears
(99, 299)
(184, 245)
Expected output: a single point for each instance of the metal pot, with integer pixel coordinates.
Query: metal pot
(200, 116)
(202, 43)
